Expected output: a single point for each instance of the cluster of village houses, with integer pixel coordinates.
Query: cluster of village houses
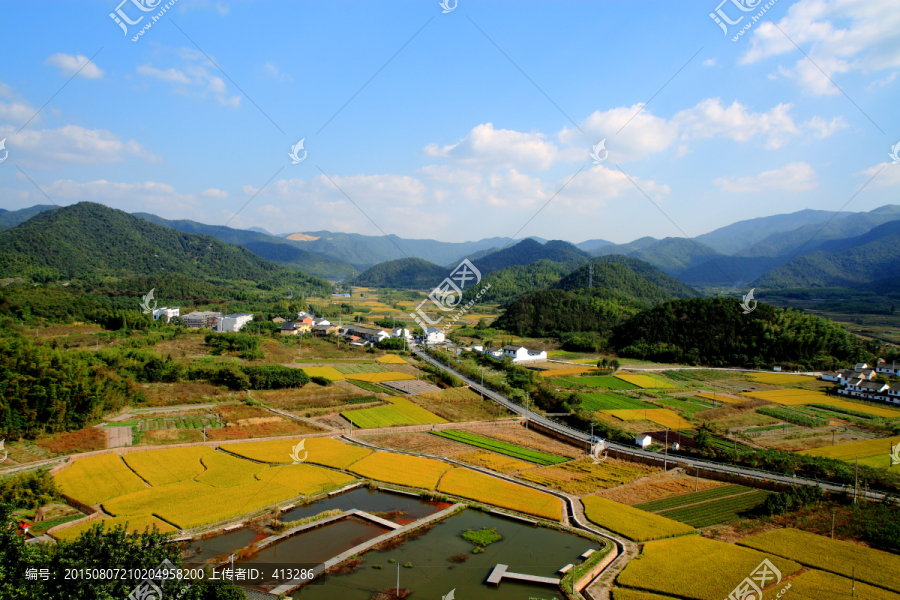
(355, 334)
(858, 382)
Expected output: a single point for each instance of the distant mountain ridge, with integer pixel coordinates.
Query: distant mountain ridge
(414, 273)
(264, 245)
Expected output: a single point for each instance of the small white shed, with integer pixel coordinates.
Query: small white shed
(643, 440)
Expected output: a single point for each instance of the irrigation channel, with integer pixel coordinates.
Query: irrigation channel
(423, 563)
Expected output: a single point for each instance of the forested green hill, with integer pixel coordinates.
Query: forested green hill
(413, 273)
(88, 241)
(715, 332)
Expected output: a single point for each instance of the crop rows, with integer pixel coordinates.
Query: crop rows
(717, 511)
(351, 369)
(693, 497)
(501, 447)
(609, 401)
(792, 417)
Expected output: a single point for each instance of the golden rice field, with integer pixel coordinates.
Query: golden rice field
(584, 477)
(645, 381)
(321, 451)
(878, 411)
(633, 523)
(788, 397)
(626, 594)
(226, 471)
(662, 416)
(572, 371)
(851, 450)
(159, 467)
(401, 469)
(696, 568)
(191, 504)
(391, 359)
(719, 397)
(326, 372)
(377, 377)
(780, 378)
(133, 524)
(97, 478)
(494, 462)
(817, 585)
(490, 490)
(835, 556)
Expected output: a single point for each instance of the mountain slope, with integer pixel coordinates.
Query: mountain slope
(11, 218)
(589, 245)
(412, 273)
(866, 258)
(643, 269)
(92, 241)
(526, 252)
(625, 249)
(616, 277)
(509, 283)
(737, 236)
(811, 237)
(264, 245)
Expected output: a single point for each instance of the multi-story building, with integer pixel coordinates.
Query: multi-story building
(233, 322)
(198, 319)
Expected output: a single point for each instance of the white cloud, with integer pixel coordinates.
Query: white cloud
(273, 72)
(709, 62)
(16, 109)
(793, 177)
(645, 134)
(486, 147)
(171, 75)
(214, 193)
(68, 65)
(71, 145)
(839, 36)
(888, 174)
(194, 78)
(591, 191)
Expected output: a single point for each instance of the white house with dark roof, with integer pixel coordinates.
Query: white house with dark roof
(523, 354)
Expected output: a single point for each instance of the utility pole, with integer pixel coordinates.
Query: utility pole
(666, 455)
(526, 411)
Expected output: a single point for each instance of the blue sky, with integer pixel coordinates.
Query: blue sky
(451, 140)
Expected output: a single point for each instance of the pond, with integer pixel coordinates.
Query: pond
(398, 508)
(526, 549)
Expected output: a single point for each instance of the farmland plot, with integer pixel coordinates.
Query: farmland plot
(716, 511)
(490, 490)
(97, 478)
(633, 523)
(583, 476)
(506, 448)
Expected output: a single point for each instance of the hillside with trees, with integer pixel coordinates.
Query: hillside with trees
(528, 251)
(413, 273)
(715, 332)
(88, 241)
(616, 276)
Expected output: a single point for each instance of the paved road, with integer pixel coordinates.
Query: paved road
(681, 461)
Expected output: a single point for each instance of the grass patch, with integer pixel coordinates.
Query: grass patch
(400, 412)
(482, 537)
(607, 401)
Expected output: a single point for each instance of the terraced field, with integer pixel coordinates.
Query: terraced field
(606, 382)
(500, 447)
(353, 369)
(647, 382)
